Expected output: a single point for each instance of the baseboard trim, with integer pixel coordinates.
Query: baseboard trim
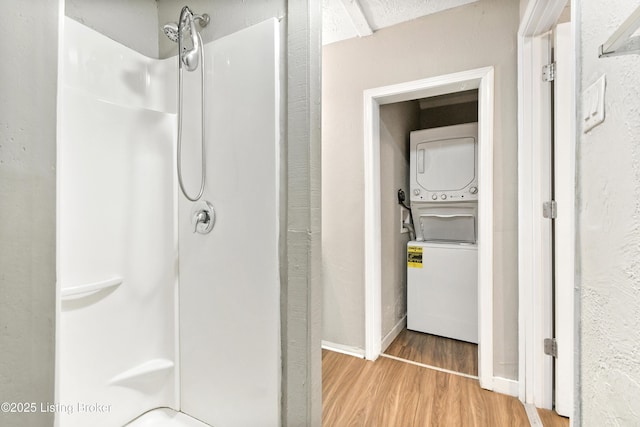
(393, 334)
(506, 386)
(344, 349)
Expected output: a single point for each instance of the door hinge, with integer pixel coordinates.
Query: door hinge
(550, 209)
(551, 347)
(549, 72)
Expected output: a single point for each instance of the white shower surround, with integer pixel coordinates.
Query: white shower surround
(229, 279)
(118, 221)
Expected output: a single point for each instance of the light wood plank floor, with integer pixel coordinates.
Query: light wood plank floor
(390, 393)
(446, 353)
(552, 419)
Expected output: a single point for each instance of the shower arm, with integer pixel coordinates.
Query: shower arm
(186, 14)
(203, 19)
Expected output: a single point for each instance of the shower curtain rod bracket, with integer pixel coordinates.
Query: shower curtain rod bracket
(623, 41)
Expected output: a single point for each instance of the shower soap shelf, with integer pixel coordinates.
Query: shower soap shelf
(89, 288)
(142, 372)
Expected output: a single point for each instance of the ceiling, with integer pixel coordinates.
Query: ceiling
(345, 19)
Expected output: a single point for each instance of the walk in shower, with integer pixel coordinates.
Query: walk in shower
(167, 316)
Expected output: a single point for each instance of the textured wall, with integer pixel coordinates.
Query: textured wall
(396, 121)
(609, 228)
(132, 23)
(301, 293)
(28, 206)
(467, 37)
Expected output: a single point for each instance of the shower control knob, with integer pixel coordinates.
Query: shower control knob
(203, 217)
(443, 196)
(416, 191)
(473, 190)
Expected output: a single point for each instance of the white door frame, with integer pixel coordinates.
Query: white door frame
(534, 231)
(565, 196)
(481, 79)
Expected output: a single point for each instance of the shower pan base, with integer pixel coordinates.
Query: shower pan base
(165, 417)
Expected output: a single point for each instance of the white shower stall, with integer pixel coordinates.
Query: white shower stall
(150, 314)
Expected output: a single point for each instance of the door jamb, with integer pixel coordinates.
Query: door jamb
(534, 271)
(482, 79)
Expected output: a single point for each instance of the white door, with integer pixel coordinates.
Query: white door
(564, 171)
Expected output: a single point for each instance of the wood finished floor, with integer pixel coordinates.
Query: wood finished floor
(390, 393)
(446, 353)
(552, 419)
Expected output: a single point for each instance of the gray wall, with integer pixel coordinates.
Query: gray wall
(132, 23)
(301, 285)
(467, 37)
(608, 248)
(29, 30)
(226, 17)
(396, 121)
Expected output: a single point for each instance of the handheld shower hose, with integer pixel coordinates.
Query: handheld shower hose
(190, 59)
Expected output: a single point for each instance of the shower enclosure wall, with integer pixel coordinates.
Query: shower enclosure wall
(151, 314)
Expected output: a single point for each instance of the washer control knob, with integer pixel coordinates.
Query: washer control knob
(416, 191)
(434, 197)
(473, 190)
(443, 196)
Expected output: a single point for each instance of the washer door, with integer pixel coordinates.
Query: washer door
(445, 222)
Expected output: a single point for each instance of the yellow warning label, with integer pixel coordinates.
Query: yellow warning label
(414, 256)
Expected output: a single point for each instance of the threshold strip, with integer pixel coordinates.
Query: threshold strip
(532, 414)
(435, 368)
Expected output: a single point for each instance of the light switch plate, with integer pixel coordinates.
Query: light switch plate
(593, 105)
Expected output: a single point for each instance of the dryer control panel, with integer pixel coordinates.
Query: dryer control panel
(443, 164)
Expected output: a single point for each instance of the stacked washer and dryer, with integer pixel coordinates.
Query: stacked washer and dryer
(442, 263)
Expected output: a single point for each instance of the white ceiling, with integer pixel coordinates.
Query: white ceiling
(344, 19)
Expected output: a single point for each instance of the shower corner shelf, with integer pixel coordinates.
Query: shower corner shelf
(142, 371)
(89, 288)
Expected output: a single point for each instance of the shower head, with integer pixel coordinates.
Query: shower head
(171, 31)
(189, 55)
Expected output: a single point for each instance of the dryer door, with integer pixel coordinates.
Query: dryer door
(446, 165)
